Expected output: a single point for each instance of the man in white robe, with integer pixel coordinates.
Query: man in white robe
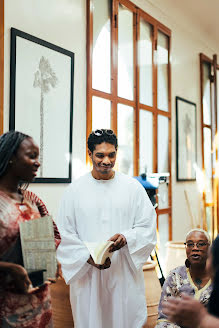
(106, 205)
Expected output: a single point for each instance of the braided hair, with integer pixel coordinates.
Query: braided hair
(99, 136)
(9, 143)
(213, 305)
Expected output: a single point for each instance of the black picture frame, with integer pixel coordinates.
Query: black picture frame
(41, 101)
(186, 140)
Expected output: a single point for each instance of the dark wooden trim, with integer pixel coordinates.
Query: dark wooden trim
(136, 94)
(170, 137)
(128, 4)
(1, 65)
(89, 70)
(163, 211)
(155, 121)
(114, 64)
(205, 58)
(207, 126)
(202, 135)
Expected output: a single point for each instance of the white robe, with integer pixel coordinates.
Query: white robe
(94, 210)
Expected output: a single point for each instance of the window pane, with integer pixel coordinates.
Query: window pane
(100, 113)
(146, 142)
(125, 53)
(217, 98)
(163, 200)
(101, 75)
(162, 71)
(125, 139)
(163, 228)
(163, 136)
(206, 94)
(208, 164)
(145, 63)
(209, 220)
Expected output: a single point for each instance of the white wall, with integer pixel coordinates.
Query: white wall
(63, 22)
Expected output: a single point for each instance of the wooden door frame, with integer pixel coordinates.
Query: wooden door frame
(1, 64)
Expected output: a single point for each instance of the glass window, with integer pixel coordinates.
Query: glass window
(101, 73)
(163, 193)
(206, 94)
(163, 237)
(208, 163)
(145, 142)
(125, 53)
(100, 113)
(125, 139)
(145, 63)
(209, 219)
(163, 140)
(162, 71)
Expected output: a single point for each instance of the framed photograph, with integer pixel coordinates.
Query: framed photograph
(41, 102)
(186, 147)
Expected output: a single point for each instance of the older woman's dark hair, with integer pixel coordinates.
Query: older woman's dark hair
(213, 305)
(9, 143)
(101, 135)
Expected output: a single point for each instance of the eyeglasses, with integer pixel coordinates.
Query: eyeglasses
(199, 244)
(100, 132)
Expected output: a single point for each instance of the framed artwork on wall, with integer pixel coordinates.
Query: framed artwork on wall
(41, 102)
(186, 144)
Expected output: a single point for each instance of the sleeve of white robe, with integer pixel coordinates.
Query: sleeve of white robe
(141, 239)
(71, 253)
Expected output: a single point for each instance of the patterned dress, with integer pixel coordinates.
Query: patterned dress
(179, 281)
(21, 310)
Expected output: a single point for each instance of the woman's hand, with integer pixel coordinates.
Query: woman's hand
(18, 280)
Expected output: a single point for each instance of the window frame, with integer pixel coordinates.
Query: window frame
(135, 103)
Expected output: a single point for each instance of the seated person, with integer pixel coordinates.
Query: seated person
(186, 311)
(191, 278)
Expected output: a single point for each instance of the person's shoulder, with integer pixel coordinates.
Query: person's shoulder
(179, 270)
(77, 183)
(134, 184)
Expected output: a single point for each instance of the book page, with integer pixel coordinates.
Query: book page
(38, 245)
(99, 251)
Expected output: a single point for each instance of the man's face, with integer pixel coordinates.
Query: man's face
(103, 158)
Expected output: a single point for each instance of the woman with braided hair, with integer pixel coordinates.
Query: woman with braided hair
(20, 305)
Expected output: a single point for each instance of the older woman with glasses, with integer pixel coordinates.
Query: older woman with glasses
(192, 278)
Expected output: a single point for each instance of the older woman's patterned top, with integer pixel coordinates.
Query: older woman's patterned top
(177, 282)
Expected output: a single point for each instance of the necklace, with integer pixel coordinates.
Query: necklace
(198, 282)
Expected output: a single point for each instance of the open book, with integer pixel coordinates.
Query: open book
(100, 251)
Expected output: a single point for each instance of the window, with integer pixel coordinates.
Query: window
(128, 90)
(209, 74)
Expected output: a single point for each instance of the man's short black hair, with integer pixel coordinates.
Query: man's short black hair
(101, 135)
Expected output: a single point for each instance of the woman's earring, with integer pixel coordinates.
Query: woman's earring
(10, 162)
